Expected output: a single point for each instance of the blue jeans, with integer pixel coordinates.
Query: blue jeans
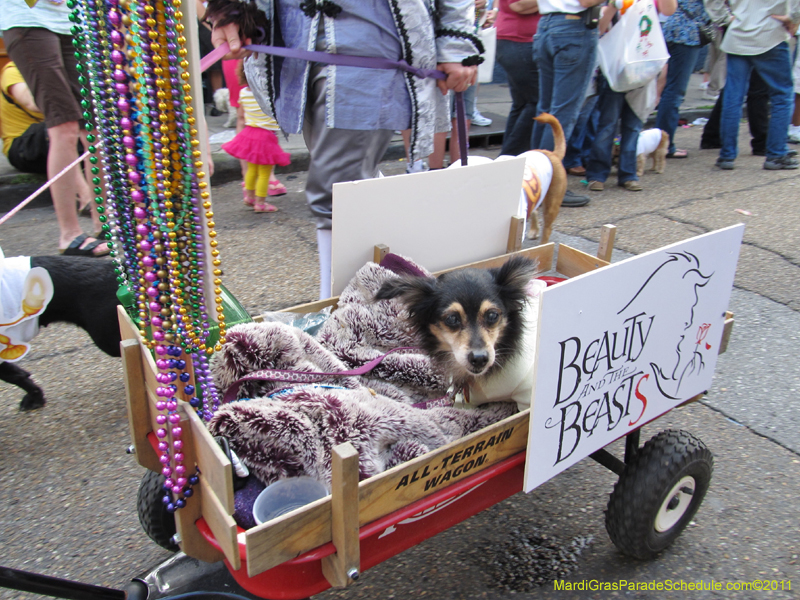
(775, 69)
(565, 52)
(516, 58)
(579, 145)
(679, 68)
(612, 108)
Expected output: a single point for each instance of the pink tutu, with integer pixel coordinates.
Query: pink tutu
(257, 146)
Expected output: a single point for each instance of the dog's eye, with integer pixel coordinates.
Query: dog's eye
(491, 317)
(452, 320)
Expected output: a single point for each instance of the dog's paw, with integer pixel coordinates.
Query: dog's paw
(32, 402)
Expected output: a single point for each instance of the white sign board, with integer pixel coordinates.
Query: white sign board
(441, 219)
(620, 346)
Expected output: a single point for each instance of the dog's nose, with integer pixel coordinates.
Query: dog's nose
(478, 359)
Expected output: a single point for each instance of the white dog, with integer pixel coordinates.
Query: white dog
(222, 100)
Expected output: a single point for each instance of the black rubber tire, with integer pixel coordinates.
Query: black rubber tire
(642, 490)
(157, 522)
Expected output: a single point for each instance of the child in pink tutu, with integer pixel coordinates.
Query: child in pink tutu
(258, 145)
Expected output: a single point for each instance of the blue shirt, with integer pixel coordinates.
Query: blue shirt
(681, 27)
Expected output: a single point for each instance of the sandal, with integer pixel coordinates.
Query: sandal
(276, 188)
(678, 154)
(75, 249)
(266, 207)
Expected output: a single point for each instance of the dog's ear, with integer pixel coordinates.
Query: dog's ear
(514, 276)
(409, 289)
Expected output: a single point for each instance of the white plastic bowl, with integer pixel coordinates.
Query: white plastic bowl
(285, 495)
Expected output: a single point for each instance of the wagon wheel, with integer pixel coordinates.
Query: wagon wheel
(157, 522)
(659, 493)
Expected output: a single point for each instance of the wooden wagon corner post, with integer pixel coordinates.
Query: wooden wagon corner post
(344, 567)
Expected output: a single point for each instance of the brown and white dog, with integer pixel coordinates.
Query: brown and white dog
(652, 143)
(544, 182)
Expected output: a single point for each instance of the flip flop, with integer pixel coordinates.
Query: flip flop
(277, 189)
(678, 154)
(265, 208)
(74, 248)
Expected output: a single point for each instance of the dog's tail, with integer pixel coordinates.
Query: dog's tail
(560, 143)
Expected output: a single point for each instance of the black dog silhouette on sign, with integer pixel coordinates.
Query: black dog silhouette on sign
(680, 276)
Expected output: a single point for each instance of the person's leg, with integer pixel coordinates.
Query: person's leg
(47, 63)
(630, 126)
(250, 179)
(681, 61)
(523, 82)
(737, 80)
(262, 190)
(436, 159)
(543, 59)
(758, 113)
(710, 138)
(573, 159)
(571, 49)
(774, 68)
(609, 106)
(335, 155)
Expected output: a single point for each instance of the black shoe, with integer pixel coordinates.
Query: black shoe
(790, 152)
(709, 146)
(572, 199)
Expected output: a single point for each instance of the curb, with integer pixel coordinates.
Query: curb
(227, 168)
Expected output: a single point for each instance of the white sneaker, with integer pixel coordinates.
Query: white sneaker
(704, 85)
(794, 134)
(416, 167)
(479, 120)
(710, 95)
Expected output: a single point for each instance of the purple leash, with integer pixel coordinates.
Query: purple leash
(367, 62)
(287, 376)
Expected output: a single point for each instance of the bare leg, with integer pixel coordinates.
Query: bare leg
(436, 160)
(63, 151)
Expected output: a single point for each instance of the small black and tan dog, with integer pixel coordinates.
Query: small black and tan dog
(469, 321)
(84, 294)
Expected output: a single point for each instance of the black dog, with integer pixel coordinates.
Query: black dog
(469, 321)
(85, 294)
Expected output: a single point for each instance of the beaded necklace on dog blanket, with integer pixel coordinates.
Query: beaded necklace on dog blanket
(292, 432)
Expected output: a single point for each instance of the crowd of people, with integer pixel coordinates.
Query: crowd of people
(348, 114)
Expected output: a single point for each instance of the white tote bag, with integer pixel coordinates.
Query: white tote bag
(486, 68)
(634, 51)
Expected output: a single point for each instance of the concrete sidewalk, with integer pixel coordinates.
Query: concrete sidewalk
(494, 102)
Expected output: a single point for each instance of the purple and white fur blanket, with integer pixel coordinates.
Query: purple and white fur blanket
(284, 430)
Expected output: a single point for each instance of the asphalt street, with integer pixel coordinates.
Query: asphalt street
(68, 490)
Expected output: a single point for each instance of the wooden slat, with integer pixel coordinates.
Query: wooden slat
(127, 329)
(343, 568)
(288, 536)
(138, 404)
(515, 233)
(284, 538)
(544, 254)
(216, 469)
(427, 474)
(312, 307)
(221, 524)
(572, 262)
(727, 328)
(192, 542)
(379, 252)
(607, 235)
